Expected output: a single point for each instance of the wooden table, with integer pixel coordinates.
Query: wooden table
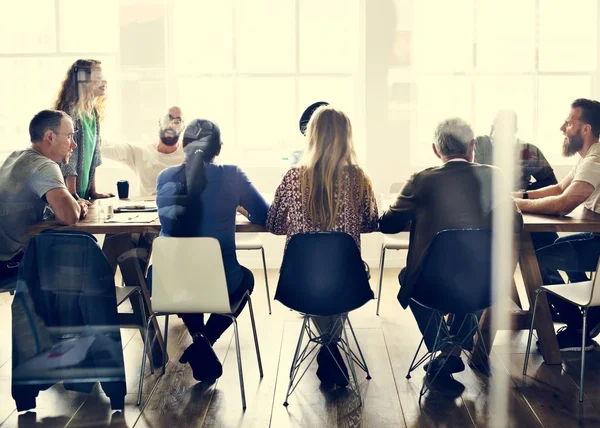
(120, 251)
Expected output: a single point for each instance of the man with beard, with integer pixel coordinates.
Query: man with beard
(148, 160)
(578, 253)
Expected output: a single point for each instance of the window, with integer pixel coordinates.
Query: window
(474, 57)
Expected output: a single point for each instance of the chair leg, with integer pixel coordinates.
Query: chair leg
(583, 337)
(294, 361)
(164, 362)
(528, 350)
(412, 364)
(351, 364)
(143, 369)
(239, 362)
(362, 357)
(381, 264)
(262, 250)
(143, 313)
(260, 368)
(433, 351)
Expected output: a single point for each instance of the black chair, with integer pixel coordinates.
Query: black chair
(455, 279)
(322, 274)
(65, 323)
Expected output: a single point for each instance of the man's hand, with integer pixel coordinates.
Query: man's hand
(242, 211)
(83, 206)
(517, 195)
(96, 195)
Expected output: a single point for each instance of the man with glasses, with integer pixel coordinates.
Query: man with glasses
(30, 180)
(148, 160)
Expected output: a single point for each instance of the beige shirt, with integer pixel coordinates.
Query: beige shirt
(145, 161)
(588, 170)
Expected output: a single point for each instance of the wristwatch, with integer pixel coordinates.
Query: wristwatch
(525, 195)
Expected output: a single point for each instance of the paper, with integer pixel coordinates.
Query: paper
(132, 218)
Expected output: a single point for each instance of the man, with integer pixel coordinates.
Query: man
(456, 195)
(30, 179)
(147, 161)
(578, 253)
(531, 160)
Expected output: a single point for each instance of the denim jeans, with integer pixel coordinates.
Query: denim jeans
(574, 254)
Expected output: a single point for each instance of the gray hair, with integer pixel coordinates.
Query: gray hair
(452, 137)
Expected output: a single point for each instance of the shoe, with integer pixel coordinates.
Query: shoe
(202, 359)
(445, 367)
(328, 372)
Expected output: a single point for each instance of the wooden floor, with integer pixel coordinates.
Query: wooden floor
(546, 397)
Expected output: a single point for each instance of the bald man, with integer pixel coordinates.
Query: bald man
(148, 160)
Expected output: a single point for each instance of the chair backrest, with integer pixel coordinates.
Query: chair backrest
(188, 276)
(323, 274)
(595, 294)
(456, 272)
(396, 187)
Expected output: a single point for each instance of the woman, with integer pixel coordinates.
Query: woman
(200, 198)
(327, 192)
(82, 96)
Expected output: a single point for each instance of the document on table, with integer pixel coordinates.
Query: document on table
(133, 218)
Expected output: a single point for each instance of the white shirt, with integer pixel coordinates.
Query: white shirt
(145, 160)
(588, 170)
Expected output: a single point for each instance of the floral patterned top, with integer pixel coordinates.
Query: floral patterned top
(288, 214)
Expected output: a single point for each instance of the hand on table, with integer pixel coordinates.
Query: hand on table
(83, 205)
(96, 195)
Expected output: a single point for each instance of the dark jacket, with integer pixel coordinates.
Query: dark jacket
(456, 195)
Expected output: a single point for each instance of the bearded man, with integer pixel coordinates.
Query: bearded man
(148, 160)
(578, 253)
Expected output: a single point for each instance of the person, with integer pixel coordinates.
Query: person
(148, 160)
(82, 95)
(200, 198)
(455, 195)
(535, 171)
(30, 180)
(328, 191)
(576, 253)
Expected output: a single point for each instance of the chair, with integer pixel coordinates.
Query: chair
(577, 293)
(455, 278)
(322, 274)
(251, 241)
(65, 322)
(178, 287)
(390, 242)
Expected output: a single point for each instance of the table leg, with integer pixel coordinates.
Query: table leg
(121, 251)
(532, 279)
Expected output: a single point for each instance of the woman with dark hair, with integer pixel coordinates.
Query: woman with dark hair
(201, 198)
(82, 96)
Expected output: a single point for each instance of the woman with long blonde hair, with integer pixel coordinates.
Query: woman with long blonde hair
(82, 96)
(328, 191)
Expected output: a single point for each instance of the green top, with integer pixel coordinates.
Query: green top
(87, 149)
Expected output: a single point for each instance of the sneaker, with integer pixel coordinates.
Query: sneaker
(202, 359)
(445, 367)
(570, 340)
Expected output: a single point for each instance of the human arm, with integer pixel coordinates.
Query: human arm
(562, 204)
(95, 195)
(277, 219)
(124, 152)
(402, 211)
(252, 202)
(370, 213)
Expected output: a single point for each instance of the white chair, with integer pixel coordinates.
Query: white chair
(251, 241)
(390, 242)
(577, 293)
(188, 277)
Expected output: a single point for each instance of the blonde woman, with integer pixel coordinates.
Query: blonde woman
(328, 191)
(82, 96)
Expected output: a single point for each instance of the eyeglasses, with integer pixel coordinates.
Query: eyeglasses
(177, 121)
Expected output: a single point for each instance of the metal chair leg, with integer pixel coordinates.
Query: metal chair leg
(143, 309)
(381, 264)
(362, 357)
(351, 364)
(260, 368)
(583, 337)
(528, 350)
(424, 388)
(262, 250)
(164, 362)
(239, 361)
(143, 369)
(412, 364)
(298, 346)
